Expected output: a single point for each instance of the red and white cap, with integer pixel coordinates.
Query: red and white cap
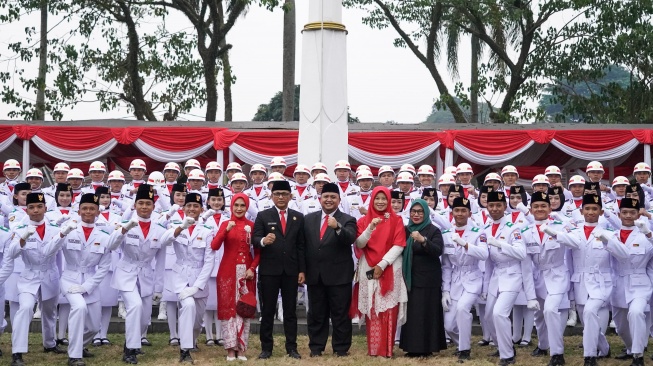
(61, 167)
(364, 174)
(34, 173)
(446, 179)
(75, 173)
(620, 180)
(258, 168)
(196, 174)
(192, 163)
(278, 161)
(172, 166)
(11, 164)
(322, 177)
(137, 164)
(464, 168)
(405, 177)
(509, 169)
(97, 166)
(642, 167)
(408, 168)
(386, 169)
(594, 166)
(552, 169)
(492, 176)
(540, 179)
(342, 164)
(156, 178)
(234, 166)
(451, 170)
(116, 175)
(301, 168)
(318, 166)
(238, 176)
(363, 167)
(426, 170)
(276, 177)
(576, 179)
(213, 165)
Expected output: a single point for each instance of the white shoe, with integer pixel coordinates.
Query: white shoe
(356, 320)
(612, 324)
(573, 319)
(229, 359)
(242, 358)
(163, 311)
(37, 314)
(122, 312)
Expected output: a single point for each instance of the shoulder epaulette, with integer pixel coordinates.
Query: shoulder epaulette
(556, 222)
(475, 229)
(208, 227)
(446, 231)
(102, 230)
(20, 226)
(176, 222)
(525, 229)
(4, 228)
(162, 225)
(54, 224)
(124, 221)
(609, 229)
(509, 224)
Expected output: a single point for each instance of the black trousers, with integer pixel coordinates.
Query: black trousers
(329, 302)
(270, 287)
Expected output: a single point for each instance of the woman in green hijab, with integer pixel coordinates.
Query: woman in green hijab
(423, 332)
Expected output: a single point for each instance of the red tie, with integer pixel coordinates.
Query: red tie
(494, 228)
(578, 203)
(515, 215)
(75, 195)
(301, 190)
(623, 235)
(11, 189)
(64, 212)
(170, 188)
(466, 192)
(484, 216)
(136, 184)
(343, 186)
(145, 228)
(283, 221)
(258, 191)
(217, 217)
(406, 204)
(87, 232)
(106, 215)
(445, 203)
(540, 232)
(588, 231)
(95, 187)
(181, 213)
(365, 197)
(190, 230)
(41, 230)
(460, 232)
(324, 226)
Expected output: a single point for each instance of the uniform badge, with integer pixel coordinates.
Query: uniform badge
(483, 238)
(199, 238)
(12, 218)
(635, 245)
(96, 243)
(294, 218)
(596, 199)
(272, 228)
(517, 236)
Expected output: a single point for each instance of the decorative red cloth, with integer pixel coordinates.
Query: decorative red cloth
(540, 232)
(588, 231)
(381, 329)
(87, 231)
(40, 229)
(623, 235)
(495, 227)
(145, 227)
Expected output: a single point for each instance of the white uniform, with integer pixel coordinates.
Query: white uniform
(361, 200)
(463, 279)
(92, 187)
(592, 281)
(5, 241)
(127, 188)
(38, 280)
(135, 278)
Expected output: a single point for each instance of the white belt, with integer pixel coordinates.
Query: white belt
(81, 269)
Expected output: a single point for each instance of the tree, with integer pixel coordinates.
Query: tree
(289, 32)
(444, 116)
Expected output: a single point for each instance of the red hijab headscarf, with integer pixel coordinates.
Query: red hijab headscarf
(233, 200)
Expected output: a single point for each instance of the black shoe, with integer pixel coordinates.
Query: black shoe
(557, 360)
(538, 352)
(54, 349)
(590, 361)
(624, 356)
(184, 356)
(316, 354)
(129, 356)
(494, 354)
(483, 343)
(17, 359)
(294, 354)
(86, 353)
(76, 362)
(507, 361)
(341, 354)
(97, 342)
(264, 355)
(639, 361)
(464, 355)
(145, 342)
(62, 342)
(138, 351)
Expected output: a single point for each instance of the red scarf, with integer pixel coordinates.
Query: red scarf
(345, 185)
(145, 227)
(106, 215)
(495, 227)
(578, 203)
(87, 232)
(190, 230)
(623, 235)
(364, 197)
(41, 230)
(484, 216)
(540, 232)
(301, 190)
(515, 215)
(588, 231)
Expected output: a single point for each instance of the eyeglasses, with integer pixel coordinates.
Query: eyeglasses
(417, 212)
(281, 194)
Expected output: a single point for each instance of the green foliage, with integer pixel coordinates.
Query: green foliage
(440, 114)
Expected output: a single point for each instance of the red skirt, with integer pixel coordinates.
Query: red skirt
(381, 329)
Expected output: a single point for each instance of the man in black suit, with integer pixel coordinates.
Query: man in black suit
(329, 234)
(279, 233)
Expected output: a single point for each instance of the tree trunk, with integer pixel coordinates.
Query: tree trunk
(474, 89)
(39, 114)
(289, 34)
(226, 76)
(210, 78)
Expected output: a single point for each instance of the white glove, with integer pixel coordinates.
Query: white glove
(28, 232)
(556, 216)
(188, 292)
(545, 228)
(68, 227)
(533, 305)
(130, 224)
(117, 202)
(642, 225)
(483, 296)
(208, 213)
(174, 208)
(102, 208)
(62, 219)
(600, 234)
(446, 300)
(522, 208)
(458, 240)
(76, 289)
(494, 242)
(157, 296)
(188, 221)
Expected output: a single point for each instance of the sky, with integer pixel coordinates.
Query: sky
(385, 83)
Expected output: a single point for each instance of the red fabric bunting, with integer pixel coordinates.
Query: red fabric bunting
(593, 140)
(126, 136)
(542, 136)
(392, 143)
(643, 136)
(176, 138)
(25, 132)
(74, 138)
(6, 132)
(492, 142)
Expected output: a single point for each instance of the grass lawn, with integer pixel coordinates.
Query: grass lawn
(162, 354)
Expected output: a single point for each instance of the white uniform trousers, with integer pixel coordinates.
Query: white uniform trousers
(523, 321)
(190, 320)
(23, 318)
(550, 323)
(3, 322)
(631, 325)
(458, 320)
(13, 309)
(480, 311)
(595, 321)
(83, 323)
(497, 312)
(172, 312)
(139, 312)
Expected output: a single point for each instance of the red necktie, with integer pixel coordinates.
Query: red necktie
(365, 197)
(11, 188)
(136, 184)
(623, 235)
(343, 186)
(494, 228)
(514, 216)
(406, 204)
(258, 191)
(445, 203)
(106, 215)
(64, 212)
(41, 230)
(618, 202)
(75, 195)
(578, 203)
(484, 216)
(540, 232)
(283, 221)
(211, 186)
(181, 213)
(156, 198)
(466, 192)
(301, 190)
(324, 226)
(588, 231)
(217, 217)
(95, 187)
(169, 188)
(460, 232)
(145, 228)
(450, 216)
(190, 230)
(87, 232)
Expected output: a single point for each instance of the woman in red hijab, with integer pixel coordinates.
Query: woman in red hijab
(237, 264)
(382, 293)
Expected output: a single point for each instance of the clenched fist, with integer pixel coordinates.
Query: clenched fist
(269, 239)
(332, 223)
